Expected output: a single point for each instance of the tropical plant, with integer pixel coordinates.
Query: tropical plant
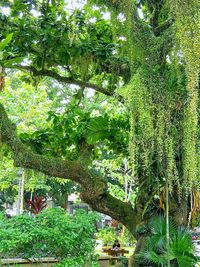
(37, 204)
(180, 252)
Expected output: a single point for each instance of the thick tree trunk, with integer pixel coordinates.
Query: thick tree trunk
(139, 247)
(178, 213)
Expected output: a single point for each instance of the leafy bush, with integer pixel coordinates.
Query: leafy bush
(71, 262)
(180, 251)
(107, 235)
(51, 233)
(127, 239)
(77, 262)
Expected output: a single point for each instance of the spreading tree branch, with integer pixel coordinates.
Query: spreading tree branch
(94, 187)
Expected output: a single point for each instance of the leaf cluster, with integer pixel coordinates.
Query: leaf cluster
(37, 204)
(80, 42)
(71, 133)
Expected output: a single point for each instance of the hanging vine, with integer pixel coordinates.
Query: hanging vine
(188, 33)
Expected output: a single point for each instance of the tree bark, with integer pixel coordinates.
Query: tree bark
(139, 247)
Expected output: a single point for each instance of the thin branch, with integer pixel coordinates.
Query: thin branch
(63, 79)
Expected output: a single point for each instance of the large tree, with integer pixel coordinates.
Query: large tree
(145, 55)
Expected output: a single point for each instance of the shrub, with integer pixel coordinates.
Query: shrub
(127, 239)
(52, 233)
(107, 235)
(77, 262)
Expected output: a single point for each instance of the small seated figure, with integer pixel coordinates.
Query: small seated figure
(116, 245)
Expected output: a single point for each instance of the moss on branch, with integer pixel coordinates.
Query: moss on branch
(94, 187)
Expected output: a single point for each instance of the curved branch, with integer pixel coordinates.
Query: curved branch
(25, 157)
(94, 187)
(63, 79)
(115, 208)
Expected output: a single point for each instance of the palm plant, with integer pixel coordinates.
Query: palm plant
(183, 249)
(156, 254)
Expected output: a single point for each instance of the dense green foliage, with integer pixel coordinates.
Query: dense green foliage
(52, 233)
(120, 82)
(77, 262)
(107, 235)
(180, 251)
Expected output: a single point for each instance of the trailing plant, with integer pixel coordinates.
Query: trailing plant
(188, 26)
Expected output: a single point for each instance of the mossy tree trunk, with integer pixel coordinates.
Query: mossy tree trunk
(94, 187)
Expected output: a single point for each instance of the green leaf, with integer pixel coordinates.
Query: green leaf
(97, 130)
(10, 62)
(1, 55)
(186, 260)
(5, 42)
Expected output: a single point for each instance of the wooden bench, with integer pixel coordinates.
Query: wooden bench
(112, 252)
